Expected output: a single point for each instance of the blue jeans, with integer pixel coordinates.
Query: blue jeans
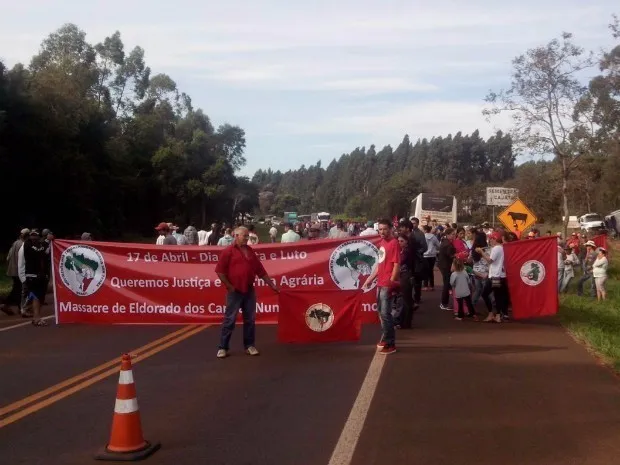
(247, 303)
(582, 281)
(385, 301)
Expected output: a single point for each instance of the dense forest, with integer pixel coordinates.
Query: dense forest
(92, 139)
(367, 182)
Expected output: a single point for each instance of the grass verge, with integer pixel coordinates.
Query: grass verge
(596, 324)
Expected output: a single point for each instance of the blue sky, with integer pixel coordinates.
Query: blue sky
(311, 80)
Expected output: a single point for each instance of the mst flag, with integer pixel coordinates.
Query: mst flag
(330, 316)
(601, 241)
(532, 276)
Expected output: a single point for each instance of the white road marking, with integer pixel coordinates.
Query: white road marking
(343, 452)
(24, 324)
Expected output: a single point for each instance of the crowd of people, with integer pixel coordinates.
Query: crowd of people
(469, 259)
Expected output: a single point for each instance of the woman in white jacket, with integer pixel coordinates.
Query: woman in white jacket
(599, 272)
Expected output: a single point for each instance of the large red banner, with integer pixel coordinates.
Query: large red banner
(120, 283)
(532, 276)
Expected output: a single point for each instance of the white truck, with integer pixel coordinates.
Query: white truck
(439, 207)
(591, 222)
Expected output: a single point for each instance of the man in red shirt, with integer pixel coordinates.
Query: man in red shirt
(387, 273)
(237, 267)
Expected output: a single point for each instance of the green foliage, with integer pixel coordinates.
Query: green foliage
(109, 147)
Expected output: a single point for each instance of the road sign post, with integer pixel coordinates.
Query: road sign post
(517, 217)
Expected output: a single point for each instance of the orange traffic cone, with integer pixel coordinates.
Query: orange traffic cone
(126, 440)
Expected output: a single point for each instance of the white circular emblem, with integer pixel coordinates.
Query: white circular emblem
(533, 272)
(319, 317)
(82, 269)
(352, 262)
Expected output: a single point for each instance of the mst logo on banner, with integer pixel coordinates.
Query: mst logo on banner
(117, 283)
(352, 262)
(82, 269)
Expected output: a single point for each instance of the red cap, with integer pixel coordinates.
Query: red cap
(496, 236)
(161, 226)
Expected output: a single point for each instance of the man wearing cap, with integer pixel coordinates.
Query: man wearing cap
(588, 262)
(165, 235)
(32, 271)
(15, 297)
(237, 268)
(370, 230)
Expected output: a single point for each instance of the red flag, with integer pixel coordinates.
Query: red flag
(601, 241)
(329, 316)
(532, 276)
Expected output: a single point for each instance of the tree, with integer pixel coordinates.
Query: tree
(114, 149)
(541, 101)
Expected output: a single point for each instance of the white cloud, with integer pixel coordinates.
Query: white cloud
(346, 68)
(419, 120)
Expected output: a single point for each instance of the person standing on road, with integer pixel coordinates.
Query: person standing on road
(497, 277)
(15, 297)
(445, 258)
(418, 246)
(31, 263)
(432, 247)
(459, 281)
(289, 234)
(387, 273)
(237, 268)
(165, 235)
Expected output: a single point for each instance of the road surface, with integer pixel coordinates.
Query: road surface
(454, 393)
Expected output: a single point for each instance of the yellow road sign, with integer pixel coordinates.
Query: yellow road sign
(517, 216)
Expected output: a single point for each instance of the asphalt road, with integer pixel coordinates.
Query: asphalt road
(454, 393)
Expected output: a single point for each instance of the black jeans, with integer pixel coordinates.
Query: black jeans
(500, 293)
(404, 319)
(429, 280)
(470, 304)
(445, 292)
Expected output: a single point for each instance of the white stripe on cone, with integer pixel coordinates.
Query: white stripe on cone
(126, 377)
(126, 405)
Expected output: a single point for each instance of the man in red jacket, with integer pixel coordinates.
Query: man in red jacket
(237, 268)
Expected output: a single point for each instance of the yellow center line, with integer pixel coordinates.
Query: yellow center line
(61, 395)
(114, 362)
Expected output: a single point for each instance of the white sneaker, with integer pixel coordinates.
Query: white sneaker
(252, 351)
(222, 353)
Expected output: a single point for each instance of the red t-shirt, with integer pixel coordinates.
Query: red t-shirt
(240, 270)
(389, 254)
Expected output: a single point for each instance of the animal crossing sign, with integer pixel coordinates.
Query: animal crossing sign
(517, 217)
